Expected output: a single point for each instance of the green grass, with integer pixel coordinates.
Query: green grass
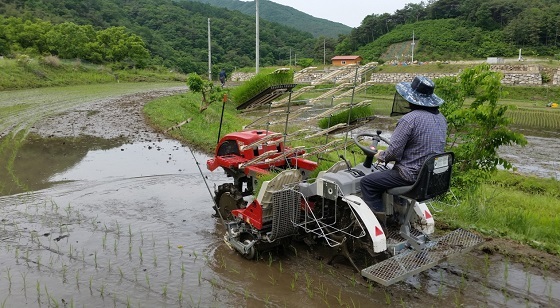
(202, 131)
(38, 74)
(518, 207)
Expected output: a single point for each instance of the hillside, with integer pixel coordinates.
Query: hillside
(175, 33)
(461, 29)
(284, 15)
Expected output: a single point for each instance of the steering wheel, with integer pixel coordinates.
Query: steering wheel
(372, 149)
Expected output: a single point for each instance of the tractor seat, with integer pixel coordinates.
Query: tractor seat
(433, 180)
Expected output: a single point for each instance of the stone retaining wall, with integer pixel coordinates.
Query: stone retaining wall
(401, 77)
(524, 75)
(556, 78)
(525, 79)
(237, 76)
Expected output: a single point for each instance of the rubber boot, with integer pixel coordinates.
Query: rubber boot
(382, 218)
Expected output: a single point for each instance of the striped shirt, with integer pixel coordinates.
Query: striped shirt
(418, 135)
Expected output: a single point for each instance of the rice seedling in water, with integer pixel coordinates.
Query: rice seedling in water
(272, 279)
(102, 289)
(353, 281)
(155, 259)
(38, 287)
(148, 281)
(140, 251)
(223, 262)
(322, 290)
(9, 276)
(115, 247)
(24, 278)
(463, 283)
(199, 276)
(339, 297)
(440, 287)
(164, 291)
(64, 270)
(183, 271)
(78, 279)
(118, 228)
(387, 297)
(267, 300)
(95, 259)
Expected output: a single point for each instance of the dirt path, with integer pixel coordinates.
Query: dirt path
(129, 224)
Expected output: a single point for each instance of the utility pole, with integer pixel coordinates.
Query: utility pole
(324, 52)
(412, 44)
(209, 53)
(257, 55)
(290, 56)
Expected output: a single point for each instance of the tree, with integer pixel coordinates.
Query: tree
(476, 131)
(68, 40)
(210, 93)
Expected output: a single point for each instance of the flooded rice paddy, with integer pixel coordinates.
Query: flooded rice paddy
(126, 222)
(129, 224)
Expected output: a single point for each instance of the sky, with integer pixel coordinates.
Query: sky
(358, 9)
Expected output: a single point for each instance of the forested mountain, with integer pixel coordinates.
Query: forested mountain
(174, 32)
(284, 15)
(457, 29)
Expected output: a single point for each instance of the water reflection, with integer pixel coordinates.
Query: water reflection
(28, 163)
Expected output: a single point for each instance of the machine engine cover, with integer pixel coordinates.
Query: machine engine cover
(348, 182)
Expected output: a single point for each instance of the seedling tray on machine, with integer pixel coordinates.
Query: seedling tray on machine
(267, 96)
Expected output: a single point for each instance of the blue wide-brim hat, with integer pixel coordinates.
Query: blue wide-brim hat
(419, 92)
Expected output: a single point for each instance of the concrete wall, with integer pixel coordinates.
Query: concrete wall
(513, 75)
(556, 78)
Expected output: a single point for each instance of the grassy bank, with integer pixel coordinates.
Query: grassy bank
(49, 72)
(202, 129)
(513, 206)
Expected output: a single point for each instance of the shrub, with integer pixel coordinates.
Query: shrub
(52, 61)
(23, 60)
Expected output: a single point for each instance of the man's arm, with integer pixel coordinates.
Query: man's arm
(398, 142)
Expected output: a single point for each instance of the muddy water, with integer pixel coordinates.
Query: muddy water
(110, 223)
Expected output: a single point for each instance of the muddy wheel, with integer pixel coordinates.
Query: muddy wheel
(228, 198)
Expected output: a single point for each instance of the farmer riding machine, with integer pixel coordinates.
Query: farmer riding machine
(326, 207)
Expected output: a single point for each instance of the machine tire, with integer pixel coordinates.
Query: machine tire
(228, 198)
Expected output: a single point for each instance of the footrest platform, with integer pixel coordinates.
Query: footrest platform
(410, 262)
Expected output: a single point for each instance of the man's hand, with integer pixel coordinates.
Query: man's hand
(377, 156)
